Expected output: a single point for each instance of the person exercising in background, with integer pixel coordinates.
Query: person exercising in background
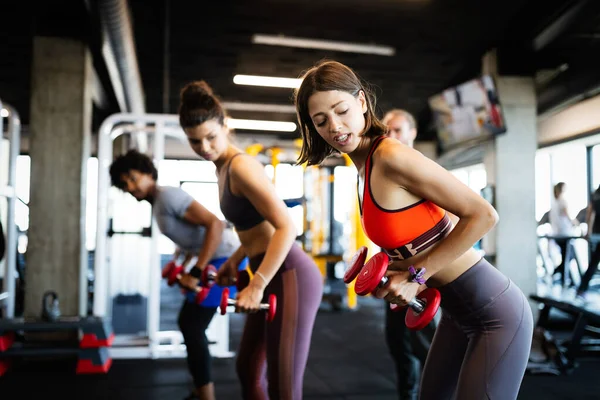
(277, 350)
(401, 126)
(593, 228)
(408, 348)
(194, 230)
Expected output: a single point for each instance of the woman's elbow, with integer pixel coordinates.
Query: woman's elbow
(490, 216)
(289, 228)
(293, 233)
(217, 226)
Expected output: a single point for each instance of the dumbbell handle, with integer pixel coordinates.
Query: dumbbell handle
(417, 305)
(263, 306)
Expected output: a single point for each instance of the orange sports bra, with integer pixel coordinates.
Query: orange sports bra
(404, 232)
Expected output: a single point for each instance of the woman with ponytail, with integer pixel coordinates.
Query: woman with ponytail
(277, 350)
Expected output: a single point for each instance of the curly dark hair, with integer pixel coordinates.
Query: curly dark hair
(132, 160)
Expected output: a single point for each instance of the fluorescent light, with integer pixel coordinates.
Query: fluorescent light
(258, 125)
(270, 81)
(4, 113)
(275, 40)
(275, 108)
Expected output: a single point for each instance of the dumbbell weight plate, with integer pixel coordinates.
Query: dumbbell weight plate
(356, 264)
(272, 308)
(416, 321)
(224, 298)
(173, 275)
(201, 295)
(371, 274)
(168, 268)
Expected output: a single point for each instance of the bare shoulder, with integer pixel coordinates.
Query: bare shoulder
(393, 155)
(243, 164)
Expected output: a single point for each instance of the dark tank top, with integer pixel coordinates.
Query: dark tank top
(238, 210)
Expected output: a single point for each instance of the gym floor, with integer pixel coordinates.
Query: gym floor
(348, 360)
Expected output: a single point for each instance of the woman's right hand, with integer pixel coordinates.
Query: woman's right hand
(227, 273)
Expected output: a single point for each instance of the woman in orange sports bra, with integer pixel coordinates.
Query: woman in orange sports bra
(482, 343)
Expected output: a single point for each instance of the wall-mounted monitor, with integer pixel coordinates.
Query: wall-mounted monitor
(468, 113)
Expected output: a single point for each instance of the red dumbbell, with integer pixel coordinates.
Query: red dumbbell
(201, 293)
(169, 268)
(209, 275)
(270, 307)
(174, 272)
(371, 276)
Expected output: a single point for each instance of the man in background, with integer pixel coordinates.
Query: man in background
(408, 348)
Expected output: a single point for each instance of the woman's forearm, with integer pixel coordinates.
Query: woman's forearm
(466, 232)
(277, 250)
(237, 256)
(214, 232)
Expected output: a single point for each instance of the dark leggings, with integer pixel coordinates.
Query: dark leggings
(273, 355)
(481, 346)
(591, 270)
(193, 321)
(408, 350)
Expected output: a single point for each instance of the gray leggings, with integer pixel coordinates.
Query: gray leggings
(482, 344)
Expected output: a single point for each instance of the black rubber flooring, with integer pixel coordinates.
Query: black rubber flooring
(348, 360)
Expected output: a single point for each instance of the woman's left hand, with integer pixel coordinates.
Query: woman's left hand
(248, 300)
(399, 290)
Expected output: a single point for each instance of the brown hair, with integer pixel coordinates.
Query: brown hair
(558, 189)
(198, 104)
(323, 77)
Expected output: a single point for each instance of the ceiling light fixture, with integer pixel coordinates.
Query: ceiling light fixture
(4, 112)
(269, 81)
(259, 125)
(280, 40)
(260, 107)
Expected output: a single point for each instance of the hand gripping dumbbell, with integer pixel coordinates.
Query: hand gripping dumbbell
(174, 272)
(371, 276)
(270, 307)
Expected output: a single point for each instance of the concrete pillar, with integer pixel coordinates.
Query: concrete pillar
(60, 124)
(510, 167)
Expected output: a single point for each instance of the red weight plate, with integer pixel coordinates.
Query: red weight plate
(272, 308)
(371, 274)
(356, 264)
(168, 268)
(224, 297)
(201, 295)
(416, 321)
(173, 275)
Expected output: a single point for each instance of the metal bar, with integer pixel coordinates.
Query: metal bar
(7, 191)
(106, 135)
(14, 132)
(155, 278)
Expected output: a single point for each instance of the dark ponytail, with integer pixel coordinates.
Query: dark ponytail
(198, 104)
